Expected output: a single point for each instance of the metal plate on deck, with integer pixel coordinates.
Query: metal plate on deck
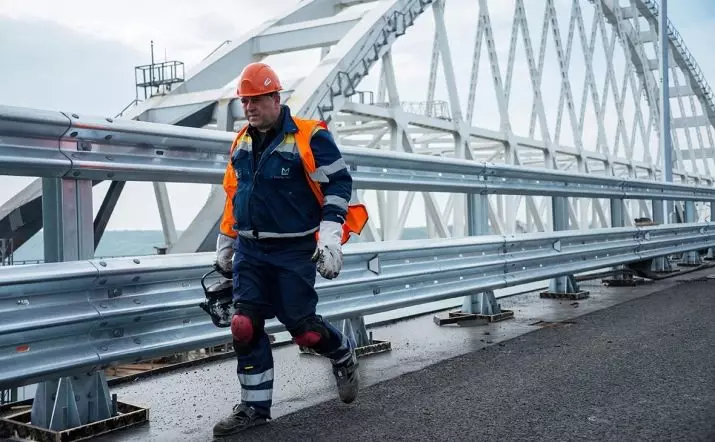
(623, 282)
(17, 425)
(469, 319)
(572, 296)
(373, 348)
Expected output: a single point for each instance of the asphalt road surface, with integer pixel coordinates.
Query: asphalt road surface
(642, 370)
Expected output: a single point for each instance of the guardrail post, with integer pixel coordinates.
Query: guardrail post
(68, 229)
(562, 286)
(661, 264)
(480, 307)
(354, 328)
(711, 250)
(691, 258)
(67, 219)
(622, 276)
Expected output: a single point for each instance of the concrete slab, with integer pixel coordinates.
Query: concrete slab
(186, 404)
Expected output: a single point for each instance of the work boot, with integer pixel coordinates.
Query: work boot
(347, 377)
(241, 418)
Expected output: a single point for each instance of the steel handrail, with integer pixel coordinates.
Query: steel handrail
(52, 144)
(57, 318)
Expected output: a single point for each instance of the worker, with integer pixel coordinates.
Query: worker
(287, 198)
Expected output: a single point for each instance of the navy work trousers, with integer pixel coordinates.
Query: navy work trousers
(276, 278)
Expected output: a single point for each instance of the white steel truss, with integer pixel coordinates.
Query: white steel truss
(561, 84)
(612, 129)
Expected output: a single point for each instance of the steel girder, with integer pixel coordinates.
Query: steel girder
(362, 38)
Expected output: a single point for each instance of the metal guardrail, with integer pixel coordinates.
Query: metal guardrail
(60, 317)
(53, 144)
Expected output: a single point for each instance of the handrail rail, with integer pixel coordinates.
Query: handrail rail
(129, 105)
(53, 144)
(222, 44)
(57, 318)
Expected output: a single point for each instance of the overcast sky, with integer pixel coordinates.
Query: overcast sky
(79, 56)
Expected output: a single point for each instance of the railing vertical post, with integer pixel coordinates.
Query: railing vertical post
(711, 250)
(67, 219)
(622, 276)
(562, 286)
(68, 224)
(618, 218)
(691, 258)
(479, 307)
(354, 328)
(484, 303)
(661, 264)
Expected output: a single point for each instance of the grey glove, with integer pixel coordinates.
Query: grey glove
(329, 254)
(224, 254)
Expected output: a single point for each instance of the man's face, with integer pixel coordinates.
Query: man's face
(261, 111)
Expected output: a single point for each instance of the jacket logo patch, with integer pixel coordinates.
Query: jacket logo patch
(285, 171)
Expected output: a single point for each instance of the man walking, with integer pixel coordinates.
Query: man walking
(287, 192)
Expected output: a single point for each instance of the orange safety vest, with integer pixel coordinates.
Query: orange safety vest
(356, 216)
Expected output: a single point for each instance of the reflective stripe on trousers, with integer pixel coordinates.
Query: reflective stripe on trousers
(256, 395)
(249, 383)
(255, 379)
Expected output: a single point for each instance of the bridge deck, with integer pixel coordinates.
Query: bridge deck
(643, 369)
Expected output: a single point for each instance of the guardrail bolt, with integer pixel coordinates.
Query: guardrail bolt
(137, 341)
(113, 293)
(376, 291)
(103, 264)
(118, 332)
(136, 261)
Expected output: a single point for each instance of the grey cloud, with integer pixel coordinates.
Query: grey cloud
(47, 66)
(52, 67)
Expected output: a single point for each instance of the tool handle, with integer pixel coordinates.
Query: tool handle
(203, 278)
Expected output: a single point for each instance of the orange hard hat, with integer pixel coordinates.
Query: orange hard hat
(258, 79)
